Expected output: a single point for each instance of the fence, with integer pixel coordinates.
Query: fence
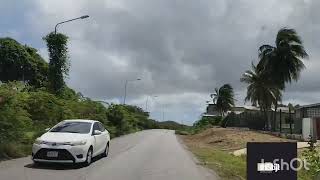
(269, 121)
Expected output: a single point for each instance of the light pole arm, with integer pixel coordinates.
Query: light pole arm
(55, 28)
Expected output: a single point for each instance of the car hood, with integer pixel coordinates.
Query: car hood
(63, 137)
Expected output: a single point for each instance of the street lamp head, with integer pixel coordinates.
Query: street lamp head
(138, 79)
(85, 16)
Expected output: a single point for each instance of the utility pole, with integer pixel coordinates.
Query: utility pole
(125, 89)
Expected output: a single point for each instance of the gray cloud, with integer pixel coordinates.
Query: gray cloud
(181, 49)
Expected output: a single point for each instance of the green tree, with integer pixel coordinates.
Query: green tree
(223, 98)
(116, 115)
(260, 91)
(59, 64)
(282, 63)
(40, 69)
(21, 63)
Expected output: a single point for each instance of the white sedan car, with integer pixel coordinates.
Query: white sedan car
(72, 141)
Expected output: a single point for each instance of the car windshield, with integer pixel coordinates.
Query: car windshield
(73, 127)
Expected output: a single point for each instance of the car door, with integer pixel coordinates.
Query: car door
(99, 140)
(105, 134)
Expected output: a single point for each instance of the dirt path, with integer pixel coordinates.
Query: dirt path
(228, 139)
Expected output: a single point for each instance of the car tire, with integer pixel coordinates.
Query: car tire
(36, 164)
(89, 157)
(106, 151)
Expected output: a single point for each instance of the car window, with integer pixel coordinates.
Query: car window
(96, 127)
(72, 127)
(101, 127)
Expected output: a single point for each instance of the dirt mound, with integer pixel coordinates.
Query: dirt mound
(230, 139)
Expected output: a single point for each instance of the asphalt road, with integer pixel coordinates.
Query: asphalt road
(146, 155)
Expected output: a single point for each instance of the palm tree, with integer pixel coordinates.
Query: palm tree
(223, 98)
(260, 90)
(282, 63)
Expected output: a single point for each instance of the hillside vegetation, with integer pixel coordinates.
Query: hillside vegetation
(25, 112)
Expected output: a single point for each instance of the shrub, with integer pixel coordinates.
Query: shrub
(181, 132)
(312, 155)
(14, 150)
(14, 119)
(206, 122)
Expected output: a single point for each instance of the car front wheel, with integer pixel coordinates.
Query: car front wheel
(89, 157)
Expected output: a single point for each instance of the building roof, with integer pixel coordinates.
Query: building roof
(283, 109)
(309, 105)
(252, 108)
(210, 115)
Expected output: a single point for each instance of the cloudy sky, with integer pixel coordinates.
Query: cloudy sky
(180, 49)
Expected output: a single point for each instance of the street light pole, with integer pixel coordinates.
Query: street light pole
(162, 114)
(82, 17)
(125, 89)
(148, 101)
(162, 108)
(125, 92)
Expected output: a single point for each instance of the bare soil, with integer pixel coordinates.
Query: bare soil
(228, 139)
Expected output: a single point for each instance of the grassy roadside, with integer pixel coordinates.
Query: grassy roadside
(14, 150)
(213, 149)
(227, 166)
(17, 149)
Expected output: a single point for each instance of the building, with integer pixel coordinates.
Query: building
(309, 116)
(211, 111)
(251, 116)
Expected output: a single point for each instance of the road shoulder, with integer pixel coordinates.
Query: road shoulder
(210, 174)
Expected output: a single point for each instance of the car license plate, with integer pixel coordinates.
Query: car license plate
(52, 154)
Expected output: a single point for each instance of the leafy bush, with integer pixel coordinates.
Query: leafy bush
(312, 155)
(181, 132)
(127, 119)
(206, 122)
(13, 116)
(14, 150)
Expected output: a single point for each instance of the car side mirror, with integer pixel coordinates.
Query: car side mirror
(97, 132)
(47, 129)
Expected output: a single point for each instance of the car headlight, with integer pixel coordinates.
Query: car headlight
(76, 143)
(38, 141)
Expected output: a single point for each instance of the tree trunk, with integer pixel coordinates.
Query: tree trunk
(275, 116)
(280, 122)
(266, 119)
(290, 120)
